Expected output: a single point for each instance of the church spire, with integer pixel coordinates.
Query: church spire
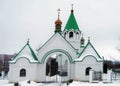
(72, 9)
(71, 23)
(58, 23)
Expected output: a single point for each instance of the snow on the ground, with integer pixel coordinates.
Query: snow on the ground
(74, 83)
(31, 83)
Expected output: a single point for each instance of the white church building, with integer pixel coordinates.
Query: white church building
(64, 55)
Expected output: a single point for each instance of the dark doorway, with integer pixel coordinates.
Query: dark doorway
(51, 67)
(87, 70)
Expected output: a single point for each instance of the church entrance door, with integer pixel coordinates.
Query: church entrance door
(56, 68)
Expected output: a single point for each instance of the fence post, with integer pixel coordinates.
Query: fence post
(109, 76)
(91, 75)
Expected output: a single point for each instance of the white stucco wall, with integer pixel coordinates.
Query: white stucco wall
(80, 68)
(14, 71)
(75, 40)
(72, 71)
(56, 42)
(41, 73)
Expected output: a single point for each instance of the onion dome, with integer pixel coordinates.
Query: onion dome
(82, 42)
(58, 22)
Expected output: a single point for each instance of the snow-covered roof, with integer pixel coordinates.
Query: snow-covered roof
(26, 52)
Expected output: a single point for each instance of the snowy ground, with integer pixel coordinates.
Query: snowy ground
(115, 82)
(74, 83)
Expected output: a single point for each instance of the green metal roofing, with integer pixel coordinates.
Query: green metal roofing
(31, 52)
(89, 43)
(71, 23)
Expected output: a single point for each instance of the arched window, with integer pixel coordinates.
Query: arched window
(87, 70)
(22, 73)
(71, 35)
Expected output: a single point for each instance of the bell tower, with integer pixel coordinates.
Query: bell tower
(71, 31)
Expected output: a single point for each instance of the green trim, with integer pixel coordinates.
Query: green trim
(18, 52)
(21, 58)
(51, 38)
(71, 23)
(31, 50)
(46, 42)
(68, 43)
(32, 53)
(92, 56)
(82, 46)
(57, 50)
(89, 43)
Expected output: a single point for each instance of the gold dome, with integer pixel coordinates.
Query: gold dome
(58, 22)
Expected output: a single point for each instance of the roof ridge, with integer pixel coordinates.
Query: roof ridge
(52, 37)
(33, 53)
(89, 43)
(31, 50)
(19, 52)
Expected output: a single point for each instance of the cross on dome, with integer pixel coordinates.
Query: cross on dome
(58, 13)
(58, 21)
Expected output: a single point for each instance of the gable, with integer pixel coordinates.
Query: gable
(26, 52)
(89, 50)
(57, 43)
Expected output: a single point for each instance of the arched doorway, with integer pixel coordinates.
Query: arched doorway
(51, 67)
(87, 70)
(57, 65)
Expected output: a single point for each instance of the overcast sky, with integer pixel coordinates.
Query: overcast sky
(34, 19)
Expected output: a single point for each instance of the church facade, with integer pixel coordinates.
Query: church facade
(64, 55)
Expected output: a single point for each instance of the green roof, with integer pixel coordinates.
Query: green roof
(89, 43)
(71, 23)
(31, 52)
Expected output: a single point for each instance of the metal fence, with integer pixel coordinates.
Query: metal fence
(115, 76)
(97, 76)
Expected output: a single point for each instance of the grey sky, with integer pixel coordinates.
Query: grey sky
(34, 19)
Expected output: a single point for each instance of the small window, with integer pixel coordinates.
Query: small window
(71, 35)
(87, 70)
(22, 73)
